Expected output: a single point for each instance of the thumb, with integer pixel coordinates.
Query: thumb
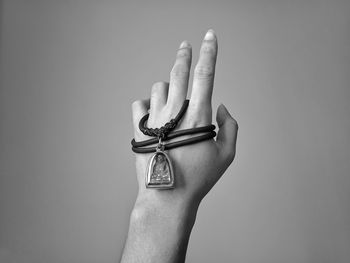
(227, 134)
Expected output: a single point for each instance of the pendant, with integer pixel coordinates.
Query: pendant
(160, 171)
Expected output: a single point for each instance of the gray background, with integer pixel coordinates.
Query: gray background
(69, 72)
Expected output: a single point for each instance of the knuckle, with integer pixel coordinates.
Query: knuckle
(199, 116)
(208, 48)
(157, 88)
(159, 84)
(204, 72)
(183, 53)
(138, 105)
(135, 104)
(179, 71)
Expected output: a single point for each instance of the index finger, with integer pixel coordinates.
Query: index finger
(204, 71)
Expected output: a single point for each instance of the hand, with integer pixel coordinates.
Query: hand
(162, 220)
(199, 166)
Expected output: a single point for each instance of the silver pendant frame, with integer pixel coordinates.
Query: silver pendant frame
(149, 173)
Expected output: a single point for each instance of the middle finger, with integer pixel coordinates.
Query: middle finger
(204, 72)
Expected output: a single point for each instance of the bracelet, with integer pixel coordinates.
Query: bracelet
(174, 134)
(172, 145)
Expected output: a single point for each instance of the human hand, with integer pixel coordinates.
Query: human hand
(199, 166)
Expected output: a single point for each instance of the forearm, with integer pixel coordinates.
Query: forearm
(159, 232)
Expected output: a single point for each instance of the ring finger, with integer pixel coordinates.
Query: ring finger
(179, 76)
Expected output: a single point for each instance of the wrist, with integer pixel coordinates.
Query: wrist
(156, 224)
(154, 206)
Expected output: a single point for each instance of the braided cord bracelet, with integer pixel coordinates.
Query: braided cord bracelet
(166, 128)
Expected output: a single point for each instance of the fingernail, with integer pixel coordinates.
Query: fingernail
(210, 35)
(185, 44)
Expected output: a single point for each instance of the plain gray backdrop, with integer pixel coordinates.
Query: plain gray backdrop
(69, 73)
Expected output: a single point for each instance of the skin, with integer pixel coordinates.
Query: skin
(161, 220)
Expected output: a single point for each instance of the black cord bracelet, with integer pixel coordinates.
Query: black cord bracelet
(174, 134)
(165, 133)
(172, 145)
